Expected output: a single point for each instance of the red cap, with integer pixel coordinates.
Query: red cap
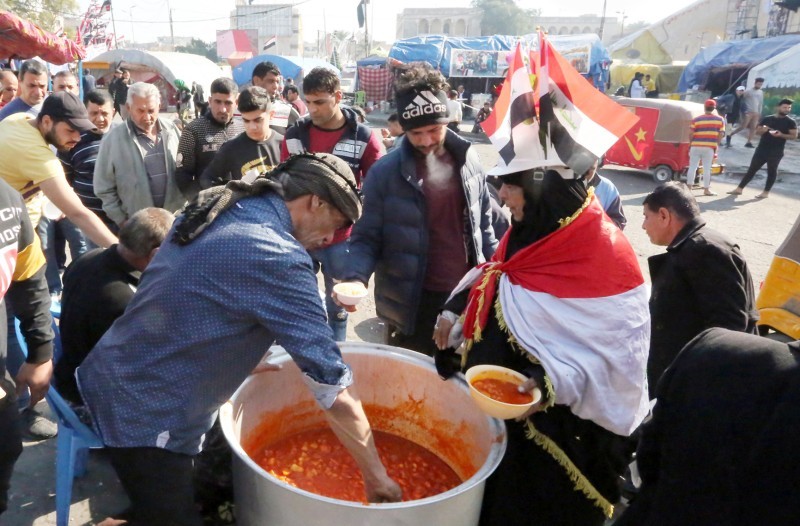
(710, 103)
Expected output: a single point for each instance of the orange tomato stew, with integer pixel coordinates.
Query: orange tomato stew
(316, 461)
(502, 391)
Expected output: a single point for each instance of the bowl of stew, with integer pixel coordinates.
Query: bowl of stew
(495, 391)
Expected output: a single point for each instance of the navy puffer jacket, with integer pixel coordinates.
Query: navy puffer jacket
(391, 238)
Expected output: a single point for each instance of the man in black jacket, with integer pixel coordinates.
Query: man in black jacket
(702, 281)
(99, 285)
(427, 215)
(203, 137)
(23, 285)
(721, 447)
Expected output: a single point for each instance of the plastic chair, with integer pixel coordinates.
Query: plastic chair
(74, 439)
(360, 98)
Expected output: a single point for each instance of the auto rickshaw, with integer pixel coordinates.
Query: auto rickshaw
(778, 301)
(659, 143)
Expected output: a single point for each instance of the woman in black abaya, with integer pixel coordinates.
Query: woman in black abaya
(558, 469)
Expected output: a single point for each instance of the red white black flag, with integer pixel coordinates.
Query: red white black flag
(271, 41)
(575, 124)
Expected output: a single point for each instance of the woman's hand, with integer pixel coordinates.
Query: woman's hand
(528, 387)
(441, 332)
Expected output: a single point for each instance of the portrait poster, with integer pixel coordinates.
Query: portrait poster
(477, 63)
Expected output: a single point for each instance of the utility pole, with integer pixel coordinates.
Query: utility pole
(603, 20)
(366, 29)
(171, 31)
(114, 27)
(622, 15)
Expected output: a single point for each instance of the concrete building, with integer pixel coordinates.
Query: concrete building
(280, 20)
(460, 22)
(456, 22)
(577, 25)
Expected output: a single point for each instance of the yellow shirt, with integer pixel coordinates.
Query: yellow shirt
(27, 161)
(650, 85)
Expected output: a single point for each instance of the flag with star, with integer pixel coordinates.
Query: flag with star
(634, 148)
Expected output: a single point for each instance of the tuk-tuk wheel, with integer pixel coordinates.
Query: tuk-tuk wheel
(662, 173)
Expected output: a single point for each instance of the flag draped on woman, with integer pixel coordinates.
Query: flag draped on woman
(591, 335)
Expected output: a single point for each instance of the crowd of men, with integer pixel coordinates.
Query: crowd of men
(269, 189)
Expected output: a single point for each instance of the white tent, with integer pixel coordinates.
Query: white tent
(781, 71)
(169, 66)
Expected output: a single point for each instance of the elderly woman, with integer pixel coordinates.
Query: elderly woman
(563, 301)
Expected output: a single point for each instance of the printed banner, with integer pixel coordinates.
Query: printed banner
(475, 63)
(579, 57)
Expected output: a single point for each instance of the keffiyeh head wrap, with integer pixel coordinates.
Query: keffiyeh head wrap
(320, 174)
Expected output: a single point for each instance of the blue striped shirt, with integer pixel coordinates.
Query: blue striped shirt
(79, 168)
(203, 316)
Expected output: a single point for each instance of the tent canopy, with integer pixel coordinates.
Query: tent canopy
(291, 67)
(781, 71)
(742, 54)
(640, 47)
(20, 38)
(172, 66)
(437, 49)
(372, 60)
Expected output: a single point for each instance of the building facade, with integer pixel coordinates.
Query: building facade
(271, 20)
(454, 22)
(583, 24)
(466, 22)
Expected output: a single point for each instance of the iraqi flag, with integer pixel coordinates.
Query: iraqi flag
(581, 122)
(271, 41)
(577, 302)
(512, 127)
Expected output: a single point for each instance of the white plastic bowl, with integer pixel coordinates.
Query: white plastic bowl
(350, 292)
(50, 210)
(494, 407)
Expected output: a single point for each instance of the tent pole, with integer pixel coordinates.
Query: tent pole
(81, 94)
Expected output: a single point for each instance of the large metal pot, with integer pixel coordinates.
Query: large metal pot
(402, 394)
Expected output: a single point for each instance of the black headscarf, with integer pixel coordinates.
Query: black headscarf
(546, 202)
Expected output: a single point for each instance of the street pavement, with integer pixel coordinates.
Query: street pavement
(759, 226)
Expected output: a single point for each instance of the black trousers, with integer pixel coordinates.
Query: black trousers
(756, 163)
(421, 340)
(10, 437)
(159, 485)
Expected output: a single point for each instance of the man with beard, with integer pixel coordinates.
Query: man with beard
(267, 75)
(202, 138)
(31, 168)
(774, 131)
(427, 215)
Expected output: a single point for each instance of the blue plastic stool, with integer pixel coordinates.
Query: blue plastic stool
(73, 442)
(72, 452)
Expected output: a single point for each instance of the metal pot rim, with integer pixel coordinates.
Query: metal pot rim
(496, 452)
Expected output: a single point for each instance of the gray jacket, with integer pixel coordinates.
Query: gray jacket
(120, 178)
